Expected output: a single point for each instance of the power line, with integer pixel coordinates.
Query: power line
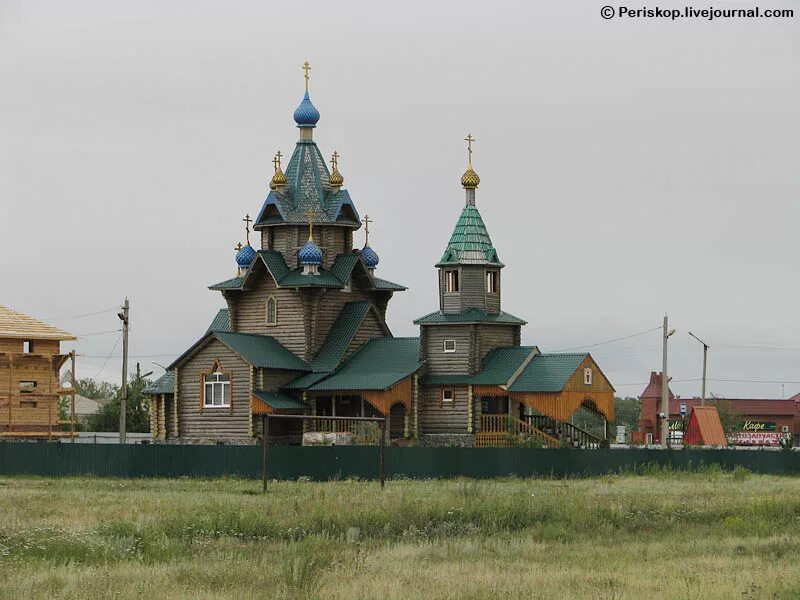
(97, 333)
(91, 314)
(611, 341)
(119, 337)
(130, 355)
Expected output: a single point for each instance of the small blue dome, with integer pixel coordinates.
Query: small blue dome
(245, 256)
(310, 254)
(306, 114)
(370, 257)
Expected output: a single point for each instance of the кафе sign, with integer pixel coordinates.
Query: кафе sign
(758, 426)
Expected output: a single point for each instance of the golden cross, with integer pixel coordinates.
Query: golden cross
(306, 68)
(275, 163)
(310, 223)
(335, 160)
(247, 220)
(367, 221)
(238, 247)
(278, 155)
(469, 139)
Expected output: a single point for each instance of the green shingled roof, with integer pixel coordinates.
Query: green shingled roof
(261, 351)
(221, 322)
(275, 263)
(228, 284)
(470, 243)
(305, 381)
(473, 315)
(377, 365)
(280, 401)
(547, 373)
(500, 364)
(163, 385)
(382, 284)
(340, 336)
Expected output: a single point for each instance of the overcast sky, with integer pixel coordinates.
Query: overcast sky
(628, 168)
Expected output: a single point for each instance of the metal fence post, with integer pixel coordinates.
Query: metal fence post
(265, 449)
(383, 451)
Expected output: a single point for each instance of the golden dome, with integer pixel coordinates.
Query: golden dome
(336, 178)
(278, 179)
(470, 179)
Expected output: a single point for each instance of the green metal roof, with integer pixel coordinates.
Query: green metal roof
(343, 265)
(262, 351)
(228, 284)
(500, 364)
(340, 336)
(305, 381)
(473, 315)
(382, 284)
(377, 365)
(221, 322)
(470, 243)
(278, 401)
(547, 373)
(275, 263)
(163, 385)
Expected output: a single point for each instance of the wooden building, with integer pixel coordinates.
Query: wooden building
(304, 331)
(30, 391)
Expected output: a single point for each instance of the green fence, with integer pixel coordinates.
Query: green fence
(324, 463)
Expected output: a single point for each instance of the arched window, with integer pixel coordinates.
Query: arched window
(272, 311)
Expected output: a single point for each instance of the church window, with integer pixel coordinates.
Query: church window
(216, 390)
(451, 281)
(449, 346)
(587, 376)
(448, 396)
(272, 311)
(491, 282)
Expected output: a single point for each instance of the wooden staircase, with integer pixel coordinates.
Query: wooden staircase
(573, 436)
(505, 431)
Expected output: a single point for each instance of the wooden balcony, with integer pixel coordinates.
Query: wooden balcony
(507, 431)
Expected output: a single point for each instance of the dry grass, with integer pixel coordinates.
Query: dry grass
(701, 535)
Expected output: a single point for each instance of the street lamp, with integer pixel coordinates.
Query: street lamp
(705, 362)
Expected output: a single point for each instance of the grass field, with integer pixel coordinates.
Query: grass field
(670, 535)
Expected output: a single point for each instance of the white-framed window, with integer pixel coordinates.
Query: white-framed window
(449, 346)
(491, 282)
(271, 311)
(587, 376)
(448, 396)
(217, 390)
(451, 281)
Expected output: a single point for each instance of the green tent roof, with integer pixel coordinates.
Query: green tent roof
(280, 401)
(472, 315)
(163, 385)
(547, 373)
(470, 243)
(377, 365)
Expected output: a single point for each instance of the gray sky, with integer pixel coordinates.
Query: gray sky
(628, 168)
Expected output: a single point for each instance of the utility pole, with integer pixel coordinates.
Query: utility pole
(665, 387)
(123, 401)
(705, 362)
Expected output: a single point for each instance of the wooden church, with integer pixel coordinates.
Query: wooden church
(304, 332)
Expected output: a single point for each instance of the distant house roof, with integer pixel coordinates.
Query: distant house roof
(473, 315)
(744, 406)
(261, 351)
(85, 407)
(377, 365)
(15, 324)
(163, 385)
(653, 389)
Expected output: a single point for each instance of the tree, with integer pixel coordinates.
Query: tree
(729, 418)
(137, 409)
(96, 390)
(626, 412)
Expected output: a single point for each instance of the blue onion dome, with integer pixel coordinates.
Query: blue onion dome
(370, 257)
(306, 114)
(245, 256)
(310, 254)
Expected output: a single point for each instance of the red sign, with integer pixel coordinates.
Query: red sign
(757, 438)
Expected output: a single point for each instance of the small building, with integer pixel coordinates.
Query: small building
(759, 421)
(30, 391)
(704, 428)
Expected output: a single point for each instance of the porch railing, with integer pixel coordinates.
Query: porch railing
(564, 430)
(507, 431)
(364, 432)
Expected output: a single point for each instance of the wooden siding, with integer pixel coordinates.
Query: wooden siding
(473, 287)
(492, 336)
(493, 300)
(440, 362)
(37, 410)
(214, 423)
(251, 314)
(438, 417)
